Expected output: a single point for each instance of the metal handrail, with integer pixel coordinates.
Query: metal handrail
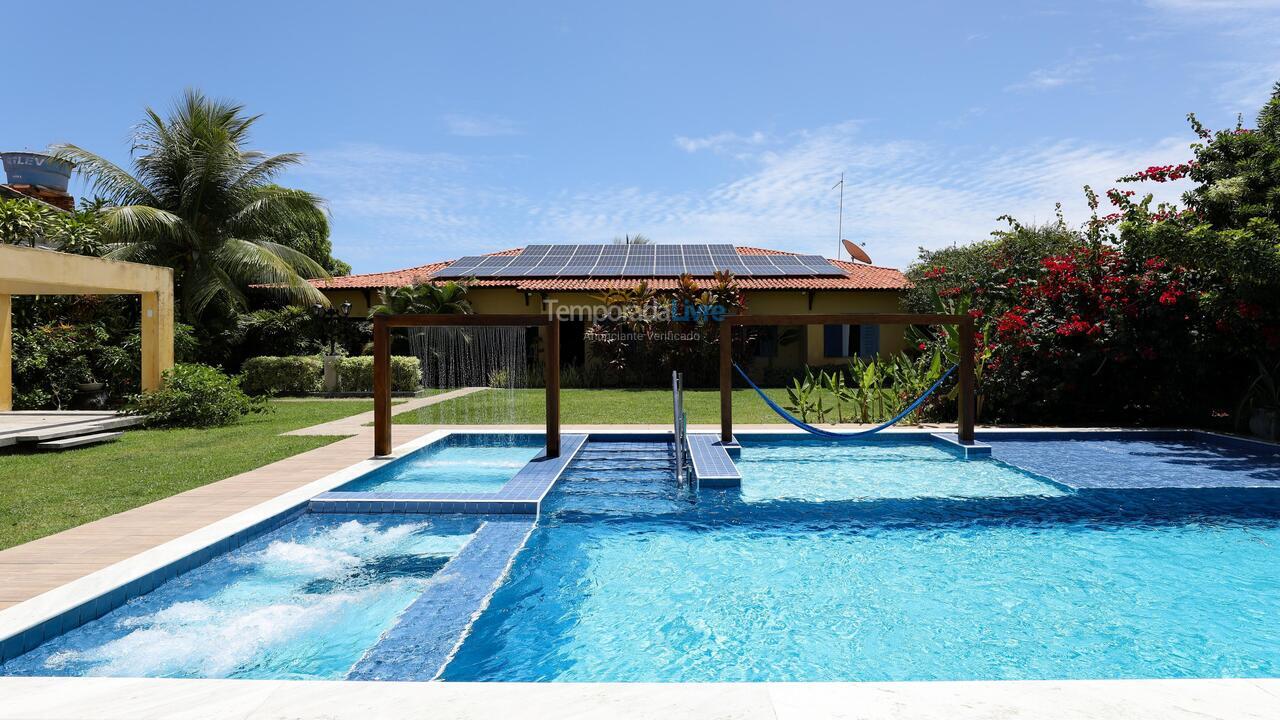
(680, 426)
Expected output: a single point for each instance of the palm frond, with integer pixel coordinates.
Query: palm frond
(263, 170)
(299, 261)
(107, 178)
(249, 263)
(271, 208)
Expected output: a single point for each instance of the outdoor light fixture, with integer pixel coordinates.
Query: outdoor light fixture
(328, 318)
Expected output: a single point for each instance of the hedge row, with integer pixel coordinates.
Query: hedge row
(300, 374)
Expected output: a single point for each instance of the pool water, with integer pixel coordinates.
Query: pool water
(1152, 460)
(933, 569)
(467, 463)
(793, 468)
(304, 601)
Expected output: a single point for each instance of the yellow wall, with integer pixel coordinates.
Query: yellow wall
(808, 349)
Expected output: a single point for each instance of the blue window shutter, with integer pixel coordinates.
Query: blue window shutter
(833, 341)
(870, 341)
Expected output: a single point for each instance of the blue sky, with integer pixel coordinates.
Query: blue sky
(435, 130)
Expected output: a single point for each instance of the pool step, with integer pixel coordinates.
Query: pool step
(712, 461)
(78, 441)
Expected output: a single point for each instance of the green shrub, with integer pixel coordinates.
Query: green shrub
(294, 375)
(355, 374)
(195, 396)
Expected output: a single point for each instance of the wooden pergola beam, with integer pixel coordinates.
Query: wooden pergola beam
(382, 325)
(964, 324)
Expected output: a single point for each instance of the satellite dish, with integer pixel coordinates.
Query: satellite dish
(856, 252)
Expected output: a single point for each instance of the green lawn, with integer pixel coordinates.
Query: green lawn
(593, 406)
(44, 493)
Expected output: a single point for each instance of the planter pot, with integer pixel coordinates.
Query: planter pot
(331, 373)
(91, 396)
(1265, 423)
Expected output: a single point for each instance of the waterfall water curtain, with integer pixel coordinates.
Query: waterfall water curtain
(495, 358)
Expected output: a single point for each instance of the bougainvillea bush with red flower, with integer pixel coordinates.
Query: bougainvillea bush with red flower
(1147, 313)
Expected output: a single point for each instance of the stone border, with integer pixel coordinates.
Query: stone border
(168, 699)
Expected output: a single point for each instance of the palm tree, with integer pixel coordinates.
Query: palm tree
(447, 298)
(201, 203)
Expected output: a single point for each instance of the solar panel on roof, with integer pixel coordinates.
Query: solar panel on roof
(598, 260)
(819, 265)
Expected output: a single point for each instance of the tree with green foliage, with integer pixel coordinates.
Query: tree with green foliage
(446, 298)
(32, 223)
(1153, 312)
(313, 241)
(199, 201)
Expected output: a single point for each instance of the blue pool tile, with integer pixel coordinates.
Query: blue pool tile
(712, 465)
(417, 647)
(11, 648)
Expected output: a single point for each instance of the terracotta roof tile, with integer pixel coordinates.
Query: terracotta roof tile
(857, 277)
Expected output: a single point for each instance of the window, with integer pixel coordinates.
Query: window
(767, 342)
(841, 341)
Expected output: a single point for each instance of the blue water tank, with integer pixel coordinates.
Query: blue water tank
(28, 168)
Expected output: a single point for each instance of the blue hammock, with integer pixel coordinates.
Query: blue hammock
(844, 435)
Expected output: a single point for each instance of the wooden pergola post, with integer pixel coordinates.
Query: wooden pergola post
(726, 382)
(382, 325)
(381, 386)
(963, 323)
(966, 399)
(553, 387)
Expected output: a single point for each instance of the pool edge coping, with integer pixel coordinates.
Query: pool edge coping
(142, 699)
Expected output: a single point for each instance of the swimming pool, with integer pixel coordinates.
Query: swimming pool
(887, 560)
(457, 463)
(304, 601)
(950, 571)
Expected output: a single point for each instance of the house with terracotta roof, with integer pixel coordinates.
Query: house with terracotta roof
(532, 279)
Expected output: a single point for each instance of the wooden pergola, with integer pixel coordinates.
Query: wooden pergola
(382, 325)
(964, 324)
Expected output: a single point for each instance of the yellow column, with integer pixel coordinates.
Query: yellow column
(6, 352)
(157, 337)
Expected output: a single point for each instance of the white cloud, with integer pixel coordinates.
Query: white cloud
(1066, 73)
(898, 195)
(720, 142)
(1214, 6)
(1250, 31)
(398, 209)
(480, 125)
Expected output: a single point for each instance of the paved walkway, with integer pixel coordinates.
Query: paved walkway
(356, 423)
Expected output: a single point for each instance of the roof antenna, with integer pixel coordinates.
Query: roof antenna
(840, 222)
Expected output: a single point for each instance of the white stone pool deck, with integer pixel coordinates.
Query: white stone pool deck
(36, 577)
(141, 699)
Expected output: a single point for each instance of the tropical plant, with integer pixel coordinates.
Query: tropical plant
(804, 395)
(424, 298)
(27, 222)
(199, 201)
(1262, 394)
(195, 396)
